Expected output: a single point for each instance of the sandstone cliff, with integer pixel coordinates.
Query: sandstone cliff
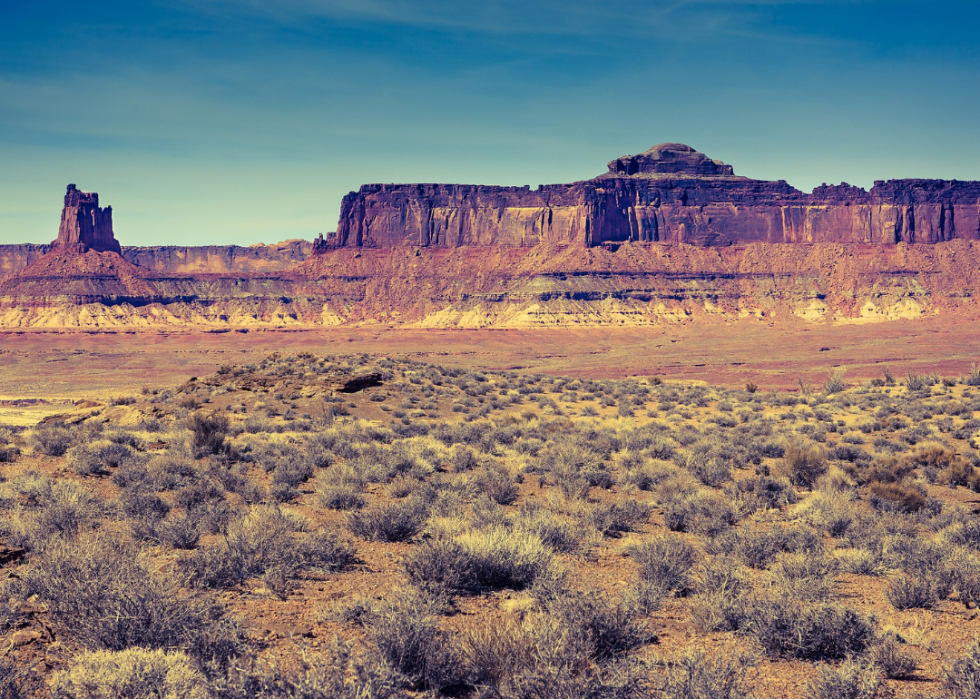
(670, 194)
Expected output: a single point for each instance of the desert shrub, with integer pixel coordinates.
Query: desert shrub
(859, 561)
(720, 602)
(397, 521)
(337, 673)
(706, 513)
(51, 440)
(136, 673)
(96, 459)
(462, 458)
(405, 632)
(604, 628)
(170, 471)
(440, 567)
(830, 511)
(107, 594)
(750, 495)
(708, 466)
(180, 532)
(696, 675)
(939, 463)
(538, 658)
(645, 597)
(786, 628)
(556, 531)
(340, 497)
(500, 557)
(888, 656)
(961, 680)
(339, 489)
(883, 469)
(292, 473)
(915, 382)
(835, 384)
(912, 591)
(648, 474)
(619, 515)
(262, 543)
(665, 560)
(803, 464)
(209, 432)
(50, 509)
(756, 548)
(895, 497)
(852, 679)
(192, 495)
(807, 577)
(499, 485)
(8, 452)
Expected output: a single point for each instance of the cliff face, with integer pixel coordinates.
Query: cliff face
(14, 258)
(84, 225)
(219, 259)
(670, 194)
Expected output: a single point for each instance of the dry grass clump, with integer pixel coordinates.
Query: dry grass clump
(131, 674)
(852, 679)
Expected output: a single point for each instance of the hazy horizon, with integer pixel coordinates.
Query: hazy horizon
(238, 122)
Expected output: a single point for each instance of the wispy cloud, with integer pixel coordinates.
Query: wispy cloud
(657, 20)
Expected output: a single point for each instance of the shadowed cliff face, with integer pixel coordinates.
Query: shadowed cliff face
(670, 194)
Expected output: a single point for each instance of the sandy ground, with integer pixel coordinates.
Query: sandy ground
(77, 365)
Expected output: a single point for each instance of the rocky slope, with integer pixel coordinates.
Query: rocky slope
(670, 194)
(512, 287)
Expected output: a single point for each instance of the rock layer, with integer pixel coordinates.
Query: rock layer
(670, 194)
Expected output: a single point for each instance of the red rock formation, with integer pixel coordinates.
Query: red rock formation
(84, 225)
(670, 194)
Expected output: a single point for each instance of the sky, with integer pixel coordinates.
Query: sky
(217, 122)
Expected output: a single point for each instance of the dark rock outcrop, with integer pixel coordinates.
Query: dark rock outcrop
(670, 159)
(670, 194)
(85, 225)
(352, 383)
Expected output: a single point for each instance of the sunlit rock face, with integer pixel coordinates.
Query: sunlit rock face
(669, 194)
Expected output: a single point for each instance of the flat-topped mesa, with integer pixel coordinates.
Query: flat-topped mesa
(84, 225)
(669, 194)
(670, 159)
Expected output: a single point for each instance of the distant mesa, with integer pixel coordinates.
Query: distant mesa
(670, 194)
(670, 159)
(85, 225)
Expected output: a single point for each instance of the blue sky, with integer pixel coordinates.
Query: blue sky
(239, 121)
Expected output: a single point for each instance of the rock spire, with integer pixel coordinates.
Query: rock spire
(84, 225)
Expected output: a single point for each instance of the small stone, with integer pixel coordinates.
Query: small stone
(22, 638)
